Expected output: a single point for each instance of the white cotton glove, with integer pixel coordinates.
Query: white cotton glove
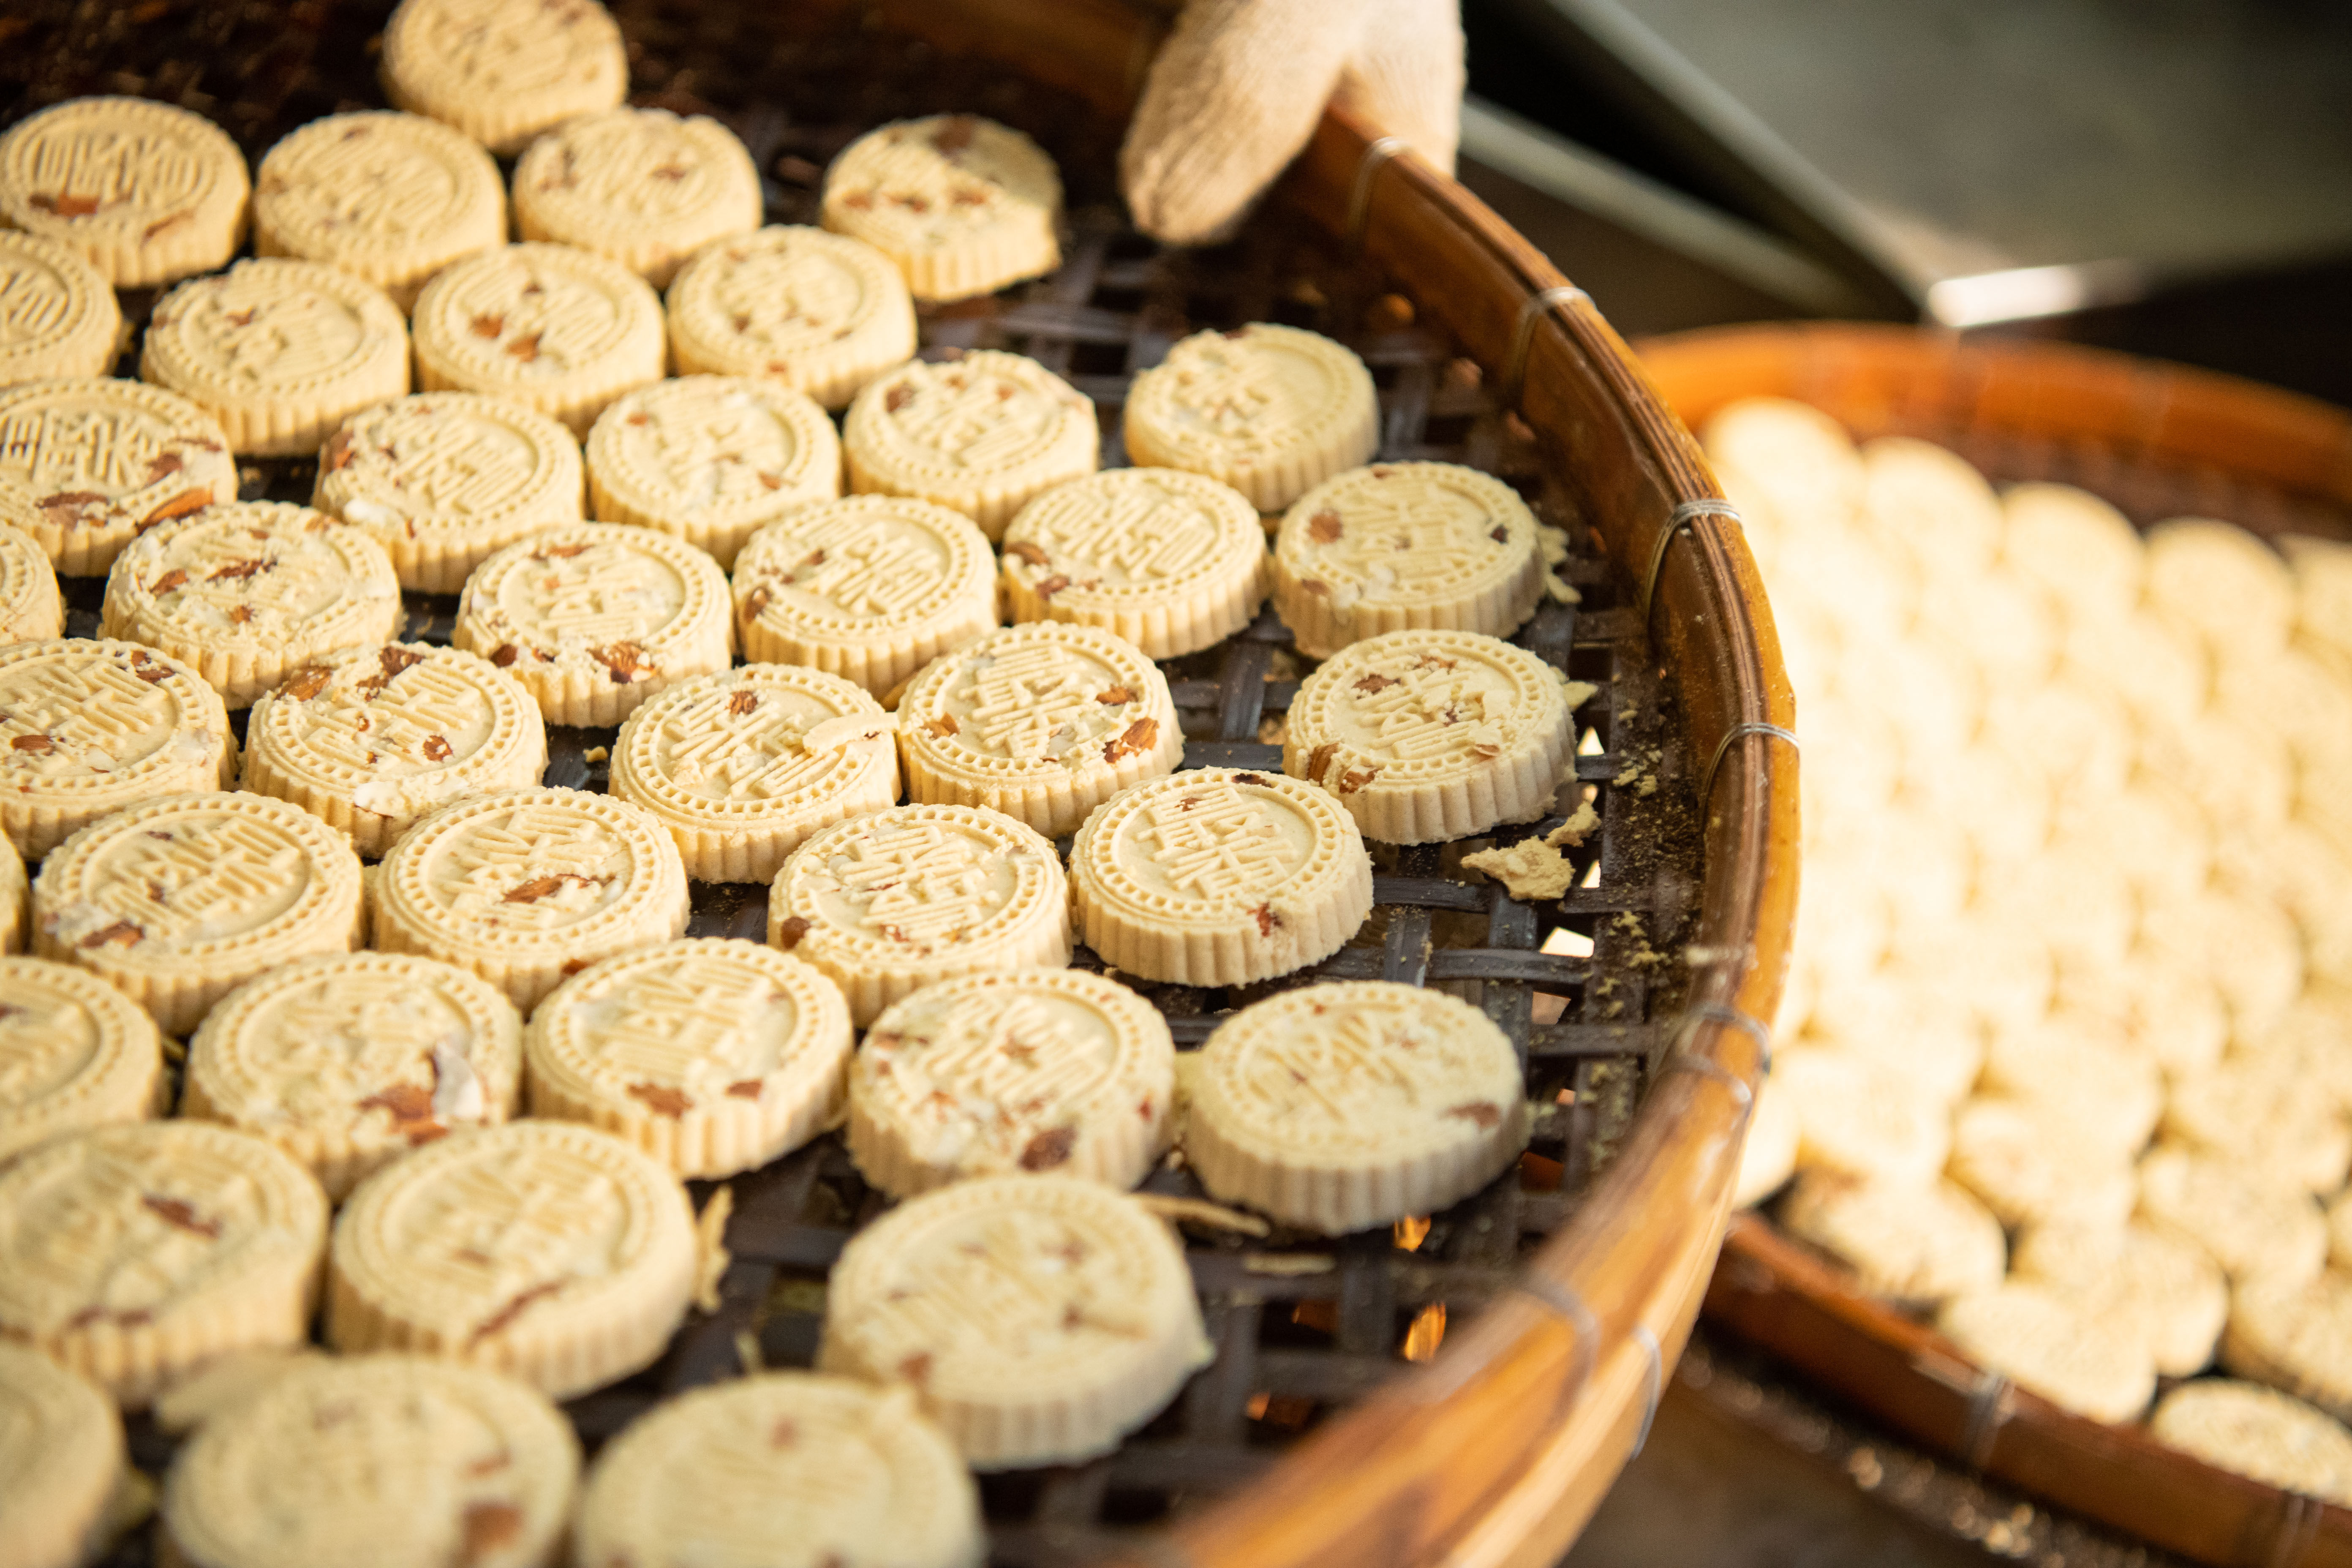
(1237, 88)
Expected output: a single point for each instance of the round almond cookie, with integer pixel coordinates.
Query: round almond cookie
(1043, 722)
(964, 205)
(93, 726)
(1049, 1071)
(871, 588)
(983, 433)
(1918, 1243)
(1173, 562)
(2250, 1430)
(595, 617)
(1428, 736)
(31, 608)
(742, 766)
(348, 1060)
(1038, 1319)
(443, 478)
(2019, 1157)
(1401, 546)
(1935, 506)
(1859, 1116)
(1339, 1107)
(640, 185)
(2049, 1347)
(552, 1252)
(1272, 411)
(820, 312)
(280, 352)
(712, 1056)
(2265, 1117)
(2255, 1229)
(372, 738)
(137, 1252)
(1216, 877)
(711, 458)
(180, 901)
(61, 1460)
(2291, 1333)
(2222, 582)
(889, 902)
(462, 1466)
(2135, 1277)
(389, 198)
(86, 463)
(2083, 551)
(146, 191)
(61, 318)
(74, 1053)
(561, 330)
(247, 591)
(503, 73)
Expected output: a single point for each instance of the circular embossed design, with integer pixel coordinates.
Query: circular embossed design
(90, 726)
(821, 312)
(595, 617)
(1215, 876)
(1405, 546)
(887, 903)
(390, 198)
(871, 588)
(712, 1056)
(348, 1060)
(58, 316)
(178, 902)
(443, 478)
(525, 885)
(962, 204)
(1173, 562)
(983, 433)
(1038, 1319)
(1046, 1070)
(146, 191)
(74, 1052)
(134, 1252)
(554, 329)
(85, 464)
(640, 185)
(1270, 410)
(711, 458)
(742, 766)
(1043, 722)
(374, 737)
(544, 1249)
(499, 72)
(61, 1458)
(447, 1464)
(247, 590)
(31, 608)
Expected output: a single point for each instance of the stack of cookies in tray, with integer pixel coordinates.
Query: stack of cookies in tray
(350, 1077)
(2066, 1058)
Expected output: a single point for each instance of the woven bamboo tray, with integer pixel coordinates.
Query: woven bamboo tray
(1572, 1283)
(2157, 441)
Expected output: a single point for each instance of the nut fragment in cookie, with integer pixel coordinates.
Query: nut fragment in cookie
(1914, 1242)
(31, 608)
(62, 318)
(1272, 411)
(390, 198)
(983, 433)
(644, 186)
(61, 1460)
(74, 1053)
(2049, 1347)
(554, 329)
(86, 463)
(2258, 1433)
(1037, 1319)
(711, 458)
(2136, 1278)
(822, 313)
(964, 205)
(146, 191)
(2255, 1229)
(503, 73)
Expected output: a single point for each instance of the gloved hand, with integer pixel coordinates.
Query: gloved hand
(1237, 88)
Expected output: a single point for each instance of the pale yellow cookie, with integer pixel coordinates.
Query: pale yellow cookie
(1038, 1319)
(2267, 1119)
(2083, 551)
(2255, 1229)
(249, 591)
(2170, 1013)
(2258, 1433)
(742, 766)
(985, 433)
(61, 1460)
(2157, 668)
(1047, 1070)
(561, 330)
(2246, 945)
(2048, 1346)
(1877, 1016)
(1860, 1118)
(595, 617)
(1405, 546)
(147, 192)
(503, 73)
(1912, 1242)
(1043, 722)
(2312, 1043)
(820, 312)
(348, 1060)
(389, 198)
(2084, 1068)
(1216, 877)
(711, 458)
(2221, 582)
(1769, 1158)
(525, 885)
(2009, 623)
(58, 316)
(1272, 411)
(552, 1252)
(2136, 1278)
(871, 588)
(461, 1466)
(13, 895)
(134, 1253)
(87, 463)
(31, 608)
(964, 205)
(2291, 1333)
(1800, 460)
(1932, 504)
(782, 1468)
(372, 738)
(74, 1053)
(887, 903)
(640, 185)
(2339, 1231)
(2323, 587)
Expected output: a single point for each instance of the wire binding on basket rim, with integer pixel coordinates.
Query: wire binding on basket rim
(1681, 517)
(1359, 197)
(1989, 1412)
(1737, 732)
(1532, 309)
(1654, 1377)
